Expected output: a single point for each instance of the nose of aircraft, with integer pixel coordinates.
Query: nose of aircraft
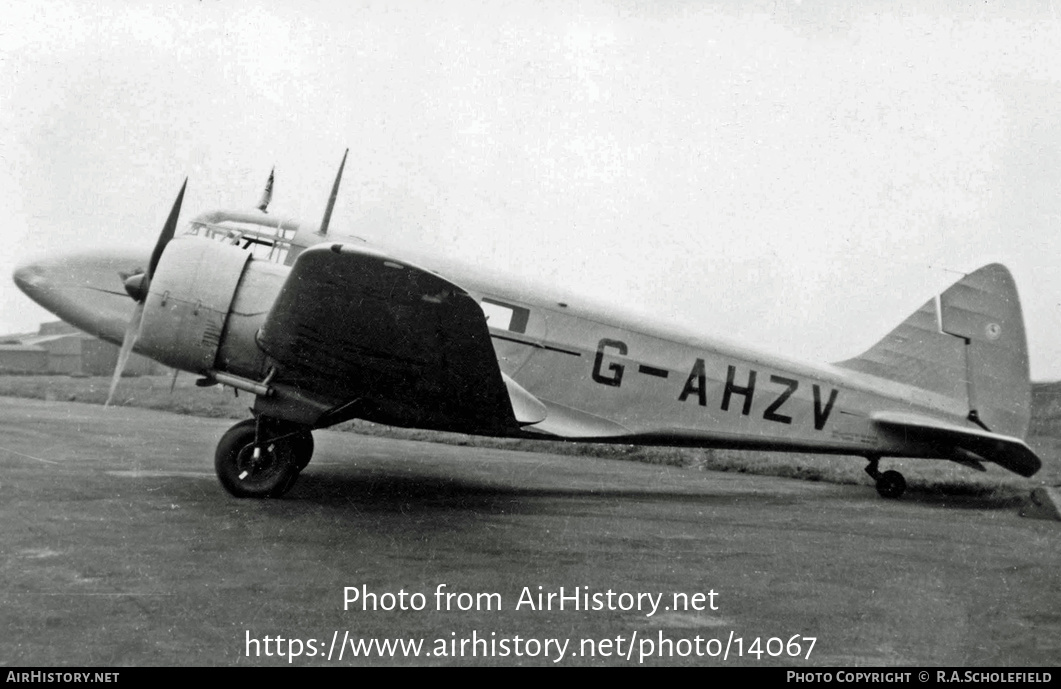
(85, 289)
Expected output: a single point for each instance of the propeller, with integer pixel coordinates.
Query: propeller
(138, 286)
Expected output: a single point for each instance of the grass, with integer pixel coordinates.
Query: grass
(941, 478)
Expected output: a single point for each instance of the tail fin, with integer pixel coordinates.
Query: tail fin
(969, 345)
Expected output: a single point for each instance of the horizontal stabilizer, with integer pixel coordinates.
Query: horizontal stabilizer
(1006, 451)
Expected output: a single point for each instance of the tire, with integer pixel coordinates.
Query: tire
(891, 485)
(303, 445)
(243, 475)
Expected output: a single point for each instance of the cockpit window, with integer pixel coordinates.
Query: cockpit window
(267, 238)
(505, 316)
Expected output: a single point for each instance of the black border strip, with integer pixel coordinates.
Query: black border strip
(536, 345)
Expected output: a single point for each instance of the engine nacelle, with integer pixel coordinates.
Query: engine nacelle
(188, 302)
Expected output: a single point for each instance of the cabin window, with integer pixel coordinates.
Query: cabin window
(505, 316)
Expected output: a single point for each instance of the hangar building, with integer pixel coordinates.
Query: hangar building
(59, 348)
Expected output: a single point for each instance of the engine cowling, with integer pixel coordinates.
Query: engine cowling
(188, 303)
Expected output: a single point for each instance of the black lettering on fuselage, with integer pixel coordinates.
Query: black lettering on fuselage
(822, 415)
(696, 382)
(732, 389)
(771, 412)
(616, 377)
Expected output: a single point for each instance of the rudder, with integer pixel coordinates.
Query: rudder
(983, 310)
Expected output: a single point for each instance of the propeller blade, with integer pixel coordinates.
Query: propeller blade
(331, 199)
(267, 195)
(168, 230)
(132, 331)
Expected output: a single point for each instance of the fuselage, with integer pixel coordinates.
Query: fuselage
(606, 373)
(602, 373)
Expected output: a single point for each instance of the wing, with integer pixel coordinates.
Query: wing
(406, 346)
(1011, 453)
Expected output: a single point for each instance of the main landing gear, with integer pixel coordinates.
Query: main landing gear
(890, 484)
(262, 457)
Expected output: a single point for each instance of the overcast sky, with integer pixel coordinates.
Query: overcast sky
(799, 176)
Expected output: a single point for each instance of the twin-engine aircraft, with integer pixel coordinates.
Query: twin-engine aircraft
(323, 328)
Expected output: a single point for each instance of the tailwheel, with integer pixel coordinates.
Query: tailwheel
(890, 484)
(261, 458)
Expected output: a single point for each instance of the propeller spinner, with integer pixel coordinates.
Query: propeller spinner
(138, 286)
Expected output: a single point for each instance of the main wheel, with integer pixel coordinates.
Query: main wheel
(891, 484)
(303, 445)
(247, 470)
